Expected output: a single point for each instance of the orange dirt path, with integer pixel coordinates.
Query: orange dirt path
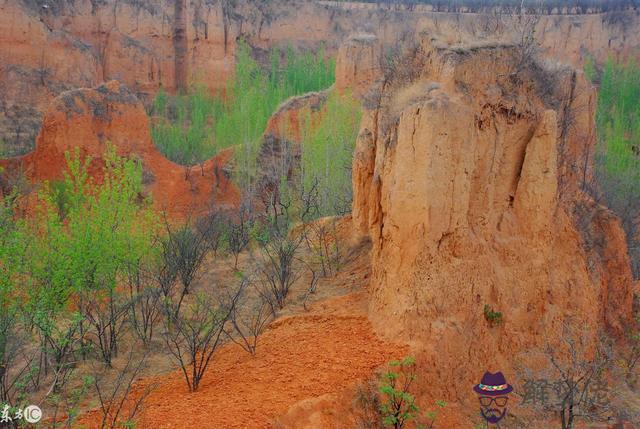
(298, 357)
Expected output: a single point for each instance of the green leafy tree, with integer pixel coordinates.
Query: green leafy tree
(84, 251)
(191, 128)
(327, 152)
(14, 364)
(397, 405)
(618, 149)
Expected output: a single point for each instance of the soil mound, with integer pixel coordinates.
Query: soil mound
(91, 119)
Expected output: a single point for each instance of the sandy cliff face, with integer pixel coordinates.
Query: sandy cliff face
(49, 47)
(358, 63)
(110, 114)
(466, 177)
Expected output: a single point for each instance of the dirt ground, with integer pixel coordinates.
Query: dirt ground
(326, 349)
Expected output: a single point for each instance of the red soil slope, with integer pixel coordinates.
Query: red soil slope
(299, 357)
(90, 119)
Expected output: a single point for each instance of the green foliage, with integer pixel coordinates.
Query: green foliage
(618, 121)
(398, 406)
(327, 152)
(433, 414)
(183, 125)
(68, 403)
(618, 149)
(4, 150)
(81, 249)
(13, 267)
(13, 247)
(491, 316)
(85, 240)
(590, 70)
(191, 128)
(60, 195)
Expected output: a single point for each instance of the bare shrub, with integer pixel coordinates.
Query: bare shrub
(16, 363)
(313, 284)
(278, 262)
(238, 235)
(249, 318)
(279, 268)
(367, 406)
(164, 268)
(577, 372)
(145, 310)
(106, 314)
(213, 228)
(194, 333)
(578, 376)
(61, 343)
(321, 238)
(118, 405)
(186, 250)
(630, 360)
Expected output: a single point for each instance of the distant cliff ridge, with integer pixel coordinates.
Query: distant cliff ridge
(50, 47)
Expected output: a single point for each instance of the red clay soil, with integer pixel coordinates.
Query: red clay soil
(298, 357)
(90, 119)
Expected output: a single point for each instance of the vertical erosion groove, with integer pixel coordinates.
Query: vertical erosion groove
(180, 44)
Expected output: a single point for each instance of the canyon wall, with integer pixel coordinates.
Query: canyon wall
(467, 177)
(47, 47)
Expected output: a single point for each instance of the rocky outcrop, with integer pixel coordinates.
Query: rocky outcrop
(358, 63)
(110, 114)
(466, 177)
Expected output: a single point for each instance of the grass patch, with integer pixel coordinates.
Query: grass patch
(190, 128)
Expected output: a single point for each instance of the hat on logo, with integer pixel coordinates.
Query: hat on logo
(492, 385)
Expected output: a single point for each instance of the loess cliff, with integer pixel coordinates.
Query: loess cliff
(48, 47)
(467, 177)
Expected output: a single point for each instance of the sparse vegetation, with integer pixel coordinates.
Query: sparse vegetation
(69, 259)
(327, 152)
(618, 149)
(531, 6)
(249, 319)
(398, 405)
(80, 254)
(190, 128)
(579, 375)
(118, 409)
(492, 316)
(390, 401)
(194, 334)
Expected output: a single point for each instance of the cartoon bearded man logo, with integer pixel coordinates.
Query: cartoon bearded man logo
(492, 392)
